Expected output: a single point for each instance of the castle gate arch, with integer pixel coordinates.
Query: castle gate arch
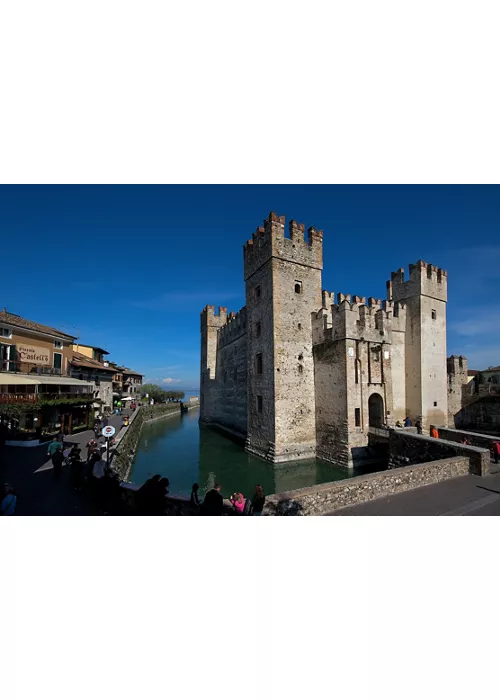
(376, 411)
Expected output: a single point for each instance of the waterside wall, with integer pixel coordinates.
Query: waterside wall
(326, 498)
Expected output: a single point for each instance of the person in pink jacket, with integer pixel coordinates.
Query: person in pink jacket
(238, 503)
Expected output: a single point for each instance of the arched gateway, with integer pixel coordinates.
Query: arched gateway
(376, 411)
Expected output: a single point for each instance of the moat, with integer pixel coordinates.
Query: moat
(180, 449)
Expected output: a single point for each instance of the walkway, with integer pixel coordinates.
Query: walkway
(30, 472)
(465, 495)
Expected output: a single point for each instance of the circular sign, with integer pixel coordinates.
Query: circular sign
(108, 431)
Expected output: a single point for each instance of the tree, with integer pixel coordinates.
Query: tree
(154, 392)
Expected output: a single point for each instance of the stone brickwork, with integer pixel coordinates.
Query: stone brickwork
(326, 498)
(409, 448)
(474, 439)
(457, 378)
(321, 368)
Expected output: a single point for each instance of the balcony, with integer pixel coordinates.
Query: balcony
(12, 366)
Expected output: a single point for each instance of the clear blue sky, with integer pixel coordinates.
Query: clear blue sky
(129, 268)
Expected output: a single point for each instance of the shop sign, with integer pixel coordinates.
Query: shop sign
(34, 354)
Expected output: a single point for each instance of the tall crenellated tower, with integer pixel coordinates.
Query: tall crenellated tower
(210, 326)
(283, 287)
(425, 296)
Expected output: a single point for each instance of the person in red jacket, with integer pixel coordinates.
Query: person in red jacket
(496, 451)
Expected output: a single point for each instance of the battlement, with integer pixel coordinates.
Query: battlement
(457, 365)
(424, 279)
(269, 241)
(235, 327)
(352, 317)
(209, 319)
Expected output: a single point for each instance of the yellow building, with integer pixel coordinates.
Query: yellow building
(37, 394)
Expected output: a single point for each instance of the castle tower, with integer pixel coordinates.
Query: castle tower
(283, 287)
(210, 326)
(425, 296)
(457, 378)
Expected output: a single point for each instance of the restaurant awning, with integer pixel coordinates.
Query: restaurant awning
(12, 379)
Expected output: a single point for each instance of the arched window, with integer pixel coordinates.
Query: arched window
(298, 287)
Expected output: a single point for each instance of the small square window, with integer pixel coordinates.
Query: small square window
(5, 332)
(433, 314)
(258, 329)
(435, 403)
(259, 404)
(58, 344)
(299, 326)
(298, 287)
(257, 292)
(357, 417)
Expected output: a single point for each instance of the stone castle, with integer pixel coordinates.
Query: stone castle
(301, 373)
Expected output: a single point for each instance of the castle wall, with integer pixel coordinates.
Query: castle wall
(332, 433)
(433, 368)
(224, 369)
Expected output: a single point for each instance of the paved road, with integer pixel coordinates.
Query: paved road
(30, 472)
(465, 495)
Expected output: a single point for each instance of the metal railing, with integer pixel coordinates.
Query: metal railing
(30, 368)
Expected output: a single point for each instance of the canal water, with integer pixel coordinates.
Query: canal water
(185, 452)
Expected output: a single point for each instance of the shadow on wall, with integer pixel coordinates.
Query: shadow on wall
(286, 506)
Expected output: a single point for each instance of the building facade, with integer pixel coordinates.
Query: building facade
(98, 374)
(301, 372)
(38, 395)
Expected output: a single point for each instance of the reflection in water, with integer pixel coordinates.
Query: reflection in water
(185, 452)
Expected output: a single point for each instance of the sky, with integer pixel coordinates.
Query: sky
(129, 268)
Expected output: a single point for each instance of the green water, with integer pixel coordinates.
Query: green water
(185, 452)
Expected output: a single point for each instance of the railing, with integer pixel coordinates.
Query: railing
(33, 398)
(18, 398)
(31, 368)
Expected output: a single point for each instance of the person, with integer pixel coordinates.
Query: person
(213, 503)
(8, 500)
(418, 426)
(238, 502)
(399, 424)
(195, 499)
(407, 423)
(434, 433)
(53, 447)
(145, 495)
(160, 495)
(97, 427)
(258, 500)
(105, 422)
(91, 448)
(496, 451)
(58, 461)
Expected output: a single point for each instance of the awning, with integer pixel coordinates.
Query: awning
(6, 379)
(9, 379)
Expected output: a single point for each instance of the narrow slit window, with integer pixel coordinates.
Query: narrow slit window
(298, 287)
(357, 417)
(258, 363)
(257, 292)
(258, 329)
(433, 314)
(259, 404)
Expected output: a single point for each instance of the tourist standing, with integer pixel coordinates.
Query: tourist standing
(418, 426)
(52, 448)
(238, 503)
(407, 423)
(8, 500)
(91, 448)
(258, 500)
(213, 503)
(434, 433)
(195, 499)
